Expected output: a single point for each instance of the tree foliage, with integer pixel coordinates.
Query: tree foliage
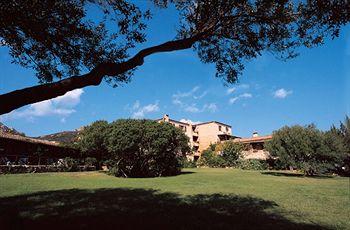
(307, 149)
(59, 39)
(211, 159)
(91, 140)
(344, 132)
(226, 154)
(136, 148)
(231, 152)
(145, 148)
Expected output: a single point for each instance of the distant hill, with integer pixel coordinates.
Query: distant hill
(62, 137)
(6, 129)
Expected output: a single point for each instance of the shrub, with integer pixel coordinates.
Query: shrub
(145, 148)
(186, 163)
(252, 164)
(12, 169)
(90, 161)
(210, 159)
(304, 148)
(70, 165)
(231, 152)
(221, 155)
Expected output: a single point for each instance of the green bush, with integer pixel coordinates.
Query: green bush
(231, 152)
(186, 163)
(210, 159)
(221, 155)
(306, 148)
(252, 164)
(70, 165)
(90, 161)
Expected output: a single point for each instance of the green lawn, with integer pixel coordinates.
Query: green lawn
(196, 199)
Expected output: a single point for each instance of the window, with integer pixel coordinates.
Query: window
(219, 127)
(182, 127)
(226, 129)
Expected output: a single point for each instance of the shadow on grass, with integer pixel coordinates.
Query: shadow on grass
(293, 174)
(180, 173)
(139, 209)
(186, 172)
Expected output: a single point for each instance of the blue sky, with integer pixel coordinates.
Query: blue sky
(312, 88)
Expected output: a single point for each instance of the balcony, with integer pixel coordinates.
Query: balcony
(224, 136)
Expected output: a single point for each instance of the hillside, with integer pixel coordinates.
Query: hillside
(62, 137)
(6, 129)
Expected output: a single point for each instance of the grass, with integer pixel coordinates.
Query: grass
(196, 199)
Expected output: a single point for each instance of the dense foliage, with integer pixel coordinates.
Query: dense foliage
(297, 147)
(62, 40)
(91, 140)
(211, 159)
(137, 148)
(253, 164)
(224, 154)
(307, 149)
(231, 152)
(145, 148)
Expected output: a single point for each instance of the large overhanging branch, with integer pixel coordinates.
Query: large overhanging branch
(26, 96)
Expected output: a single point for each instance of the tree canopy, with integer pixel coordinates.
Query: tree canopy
(136, 148)
(308, 149)
(69, 50)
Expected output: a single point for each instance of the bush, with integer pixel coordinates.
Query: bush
(13, 169)
(252, 164)
(231, 152)
(186, 163)
(70, 165)
(145, 148)
(90, 161)
(305, 148)
(221, 155)
(210, 159)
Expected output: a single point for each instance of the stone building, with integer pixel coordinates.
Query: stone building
(255, 146)
(202, 135)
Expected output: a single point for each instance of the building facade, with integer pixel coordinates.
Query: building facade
(202, 135)
(255, 146)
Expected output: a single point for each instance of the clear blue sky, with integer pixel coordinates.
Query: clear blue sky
(313, 88)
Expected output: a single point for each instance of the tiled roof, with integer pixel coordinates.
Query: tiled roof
(253, 139)
(203, 123)
(28, 139)
(171, 120)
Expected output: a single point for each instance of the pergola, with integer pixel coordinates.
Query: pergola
(16, 147)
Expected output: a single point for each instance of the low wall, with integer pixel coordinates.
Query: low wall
(256, 154)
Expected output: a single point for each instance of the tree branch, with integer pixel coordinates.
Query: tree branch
(18, 98)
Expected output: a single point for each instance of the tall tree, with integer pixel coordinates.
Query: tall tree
(69, 50)
(345, 132)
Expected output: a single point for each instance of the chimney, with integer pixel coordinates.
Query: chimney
(255, 134)
(166, 118)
